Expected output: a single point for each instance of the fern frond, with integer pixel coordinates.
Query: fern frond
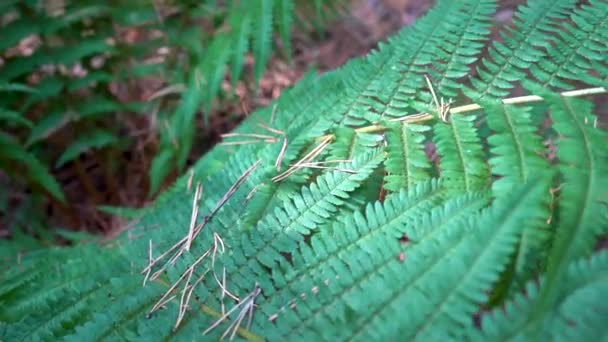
(471, 26)
(305, 211)
(339, 260)
(518, 151)
(212, 71)
(37, 171)
(349, 253)
(403, 63)
(241, 30)
(469, 268)
(583, 164)
(578, 313)
(96, 139)
(262, 27)
(579, 45)
(285, 12)
(406, 162)
(461, 153)
(521, 48)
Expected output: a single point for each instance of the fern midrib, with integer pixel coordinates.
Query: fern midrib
(405, 143)
(351, 147)
(522, 169)
(457, 138)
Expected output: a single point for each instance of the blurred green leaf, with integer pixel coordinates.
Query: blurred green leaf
(93, 140)
(122, 212)
(11, 149)
(160, 168)
(48, 125)
(90, 79)
(16, 87)
(15, 118)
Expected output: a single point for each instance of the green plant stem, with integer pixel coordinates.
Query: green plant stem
(473, 107)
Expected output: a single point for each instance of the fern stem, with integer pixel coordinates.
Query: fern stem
(531, 98)
(473, 107)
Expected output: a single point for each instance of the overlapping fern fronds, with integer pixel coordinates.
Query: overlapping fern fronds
(378, 209)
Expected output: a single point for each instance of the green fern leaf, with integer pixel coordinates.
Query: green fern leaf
(578, 315)
(12, 117)
(241, 30)
(37, 172)
(579, 45)
(94, 140)
(262, 28)
(461, 154)
(583, 165)
(406, 162)
(520, 49)
(284, 15)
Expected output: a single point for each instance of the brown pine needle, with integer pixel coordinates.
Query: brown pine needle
(307, 158)
(248, 304)
(428, 83)
(160, 257)
(168, 90)
(313, 166)
(420, 117)
(197, 196)
(189, 184)
(183, 305)
(247, 142)
(277, 163)
(199, 227)
(274, 111)
(248, 135)
(218, 242)
(231, 191)
(189, 296)
(253, 191)
(270, 129)
(178, 281)
(150, 259)
(330, 161)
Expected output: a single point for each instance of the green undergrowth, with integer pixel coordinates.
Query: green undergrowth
(106, 77)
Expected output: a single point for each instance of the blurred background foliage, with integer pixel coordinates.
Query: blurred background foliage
(104, 103)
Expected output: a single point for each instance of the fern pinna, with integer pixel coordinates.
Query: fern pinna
(374, 203)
